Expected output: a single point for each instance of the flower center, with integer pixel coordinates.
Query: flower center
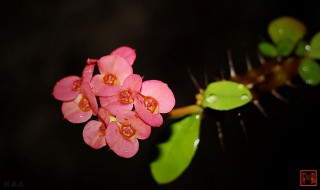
(84, 104)
(127, 131)
(125, 96)
(76, 84)
(102, 130)
(151, 104)
(110, 79)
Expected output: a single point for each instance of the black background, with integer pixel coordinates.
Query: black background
(43, 41)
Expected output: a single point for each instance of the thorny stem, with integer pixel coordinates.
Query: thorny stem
(183, 111)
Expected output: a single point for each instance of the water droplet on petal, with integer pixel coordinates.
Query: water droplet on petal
(126, 151)
(81, 116)
(211, 99)
(244, 97)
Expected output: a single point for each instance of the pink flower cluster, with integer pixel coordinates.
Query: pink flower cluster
(125, 107)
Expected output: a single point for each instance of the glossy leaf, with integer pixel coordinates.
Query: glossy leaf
(267, 49)
(286, 28)
(315, 47)
(176, 154)
(285, 47)
(309, 71)
(226, 95)
(301, 49)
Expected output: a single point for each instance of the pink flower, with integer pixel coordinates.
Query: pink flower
(129, 107)
(82, 107)
(126, 52)
(94, 132)
(68, 88)
(123, 100)
(155, 98)
(122, 136)
(114, 70)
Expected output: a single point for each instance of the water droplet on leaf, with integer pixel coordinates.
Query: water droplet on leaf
(244, 97)
(195, 143)
(211, 99)
(240, 86)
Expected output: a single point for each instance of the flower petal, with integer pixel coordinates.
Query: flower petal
(143, 130)
(87, 73)
(101, 89)
(146, 115)
(87, 92)
(161, 92)
(113, 105)
(93, 136)
(63, 88)
(133, 82)
(126, 52)
(73, 113)
(116, 65)
(104, 116)
(126, 148)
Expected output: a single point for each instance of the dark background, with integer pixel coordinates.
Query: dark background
(43, 41)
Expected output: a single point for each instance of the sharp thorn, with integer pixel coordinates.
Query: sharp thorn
(279, 96)
(261, 59)
(248, 63)
(289, 83)
(243, 127)
(231, 66)
(220, 136)
(260, 108)
(194, 80)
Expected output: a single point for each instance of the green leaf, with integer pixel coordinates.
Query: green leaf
(286, 28)
(267, 49)
(285, 47)
(226, 95)
(301, 49)
(309, 71)
(176, 153)
(315, 47)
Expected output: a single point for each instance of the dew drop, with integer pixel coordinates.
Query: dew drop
(244, 97)
(195, 143)
(240, 87)
(197, 116)
(307, 47)
(211, 99)
(310, 81)
(81, 116)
